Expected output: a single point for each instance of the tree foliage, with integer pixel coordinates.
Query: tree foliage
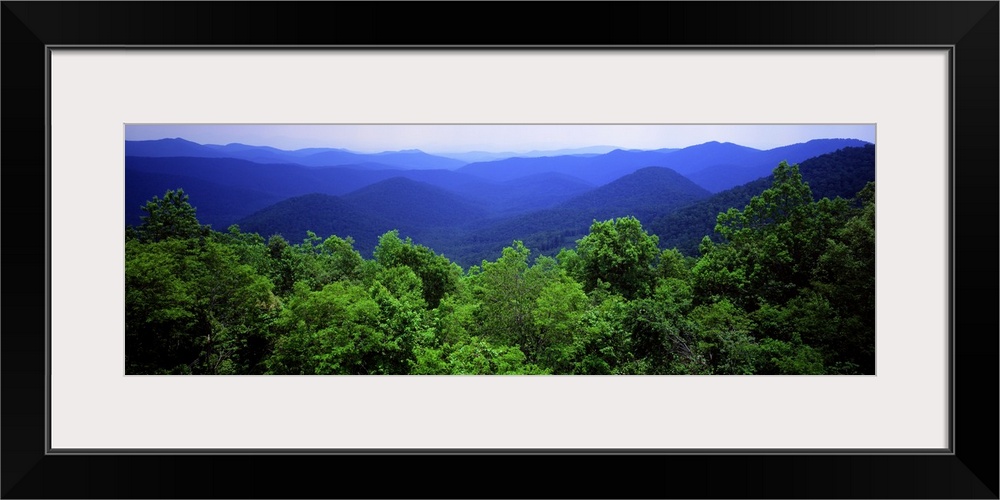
(169, 217)
(620, 253)
(192, 307)
(786, 286)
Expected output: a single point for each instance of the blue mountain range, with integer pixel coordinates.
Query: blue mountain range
(469, 211)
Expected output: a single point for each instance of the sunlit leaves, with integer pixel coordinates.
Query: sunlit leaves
(619, 252)
(191, 307)
(789, 290)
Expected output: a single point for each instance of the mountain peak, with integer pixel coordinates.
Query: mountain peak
(403, 151)
(168, 140)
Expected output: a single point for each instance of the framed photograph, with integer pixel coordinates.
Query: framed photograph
(96, 96)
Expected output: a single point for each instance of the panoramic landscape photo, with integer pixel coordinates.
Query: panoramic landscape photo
(499, 249)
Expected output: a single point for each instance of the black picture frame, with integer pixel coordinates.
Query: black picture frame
(970, 28)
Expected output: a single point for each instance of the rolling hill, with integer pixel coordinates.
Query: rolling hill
(415, 205)
(322, 214)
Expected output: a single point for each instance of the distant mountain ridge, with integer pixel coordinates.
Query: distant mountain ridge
(313, 157)
(713, 165)
(597, 170)
(482, 156)
(470, 213)
(649, 189)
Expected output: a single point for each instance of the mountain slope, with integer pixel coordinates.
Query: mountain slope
(215, 204)
(730, 174)
(644, 194)
(533, 192)
(322, 214)
(647, 191)
(842, 173)
(415, 205)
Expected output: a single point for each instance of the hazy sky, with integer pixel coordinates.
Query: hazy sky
(497, 138)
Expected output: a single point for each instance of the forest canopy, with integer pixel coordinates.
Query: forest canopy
(786, 285)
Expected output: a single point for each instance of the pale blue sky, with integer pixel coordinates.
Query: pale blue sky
(497, 138)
